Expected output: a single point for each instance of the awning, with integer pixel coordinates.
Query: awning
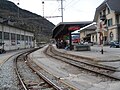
(63, 28)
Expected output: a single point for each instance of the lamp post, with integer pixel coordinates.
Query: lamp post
(18, 9)
(62, 9)
(43, 7)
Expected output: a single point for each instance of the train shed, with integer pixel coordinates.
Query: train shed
(66, 28)
(12, 38)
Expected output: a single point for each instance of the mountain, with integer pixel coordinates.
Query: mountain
(27, 20)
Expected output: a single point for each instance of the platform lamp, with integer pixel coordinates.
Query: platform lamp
(18, 9)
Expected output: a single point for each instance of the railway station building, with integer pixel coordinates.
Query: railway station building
(12, 38)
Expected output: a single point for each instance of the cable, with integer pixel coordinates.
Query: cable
(68, 3)
(55, 10)
(74, 3)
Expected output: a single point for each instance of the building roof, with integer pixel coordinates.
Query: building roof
(113, 5)
(62, 28)
(5, 23)
(89, 27)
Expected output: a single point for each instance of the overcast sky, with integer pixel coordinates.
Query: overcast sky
(74, 10)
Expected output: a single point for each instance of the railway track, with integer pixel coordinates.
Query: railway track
(77, 62)
(8, 78)
(32, 77)
(13, 55)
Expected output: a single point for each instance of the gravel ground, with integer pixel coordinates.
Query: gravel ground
(8, 78)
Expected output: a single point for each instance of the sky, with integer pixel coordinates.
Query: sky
(74, 10)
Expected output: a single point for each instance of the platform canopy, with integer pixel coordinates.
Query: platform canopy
(64, 28)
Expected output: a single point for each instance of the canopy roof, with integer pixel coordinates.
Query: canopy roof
(63, 27)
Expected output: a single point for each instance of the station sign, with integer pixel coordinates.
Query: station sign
(73, 28)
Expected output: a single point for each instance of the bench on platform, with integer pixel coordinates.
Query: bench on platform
(82, 47)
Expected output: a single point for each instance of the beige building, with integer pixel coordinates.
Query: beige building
(109, 13)
(88, 33)
(107, 28)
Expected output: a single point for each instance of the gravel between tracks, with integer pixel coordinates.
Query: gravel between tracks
(8, 78)
(28, 75)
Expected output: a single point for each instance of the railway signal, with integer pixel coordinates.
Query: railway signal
(101, 26)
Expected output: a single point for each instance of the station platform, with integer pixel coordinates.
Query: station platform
(110, 56)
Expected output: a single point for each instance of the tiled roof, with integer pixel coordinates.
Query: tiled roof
(113, 5)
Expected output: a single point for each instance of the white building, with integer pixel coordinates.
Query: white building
(15, 38)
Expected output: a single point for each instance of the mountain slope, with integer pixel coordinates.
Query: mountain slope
(26, 20)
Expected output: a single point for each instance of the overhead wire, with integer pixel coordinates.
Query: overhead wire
(69, 3)
(73, 4)
(56, 9)
(52, 12)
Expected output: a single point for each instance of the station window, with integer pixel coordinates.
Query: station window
(6, 35)
(108, 10)
(22, 37)
(18, 37)
(110, 22)
(93, 38)
(111, 36)
(33, 38)
(117, 19)
(26, 38)
(30, 38)
(0, 35)
(104, 12)
(12, 36)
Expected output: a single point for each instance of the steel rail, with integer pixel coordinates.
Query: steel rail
(110, 76)
(41, 75)
(16, 68)
(37, 72)
(45, 78)
(19, 77)
(87, 63)
(17, 72)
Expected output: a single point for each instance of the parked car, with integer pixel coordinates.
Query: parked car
(115, 44)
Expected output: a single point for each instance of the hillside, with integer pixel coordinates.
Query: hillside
(26, 20)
